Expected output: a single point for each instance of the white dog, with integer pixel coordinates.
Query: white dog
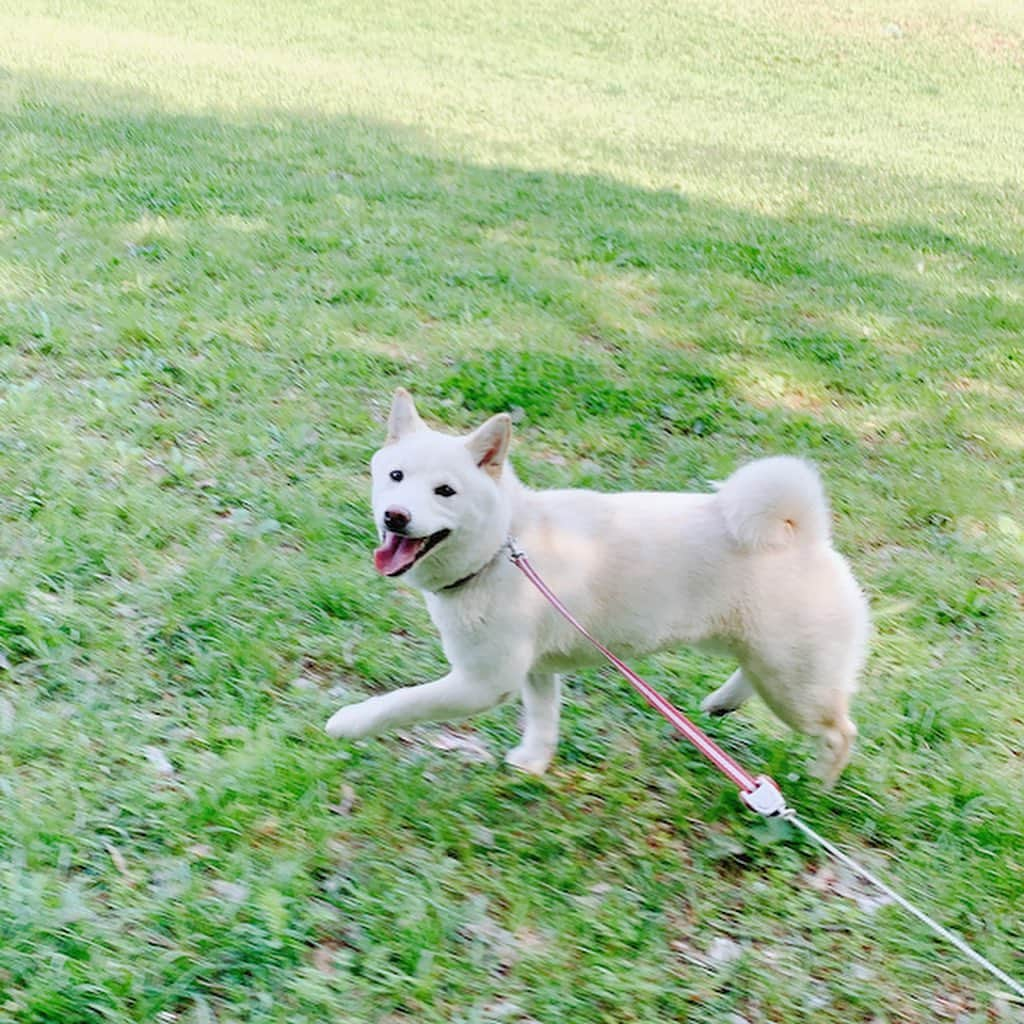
(748, 571)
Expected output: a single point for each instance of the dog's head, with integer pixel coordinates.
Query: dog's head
(438, 500)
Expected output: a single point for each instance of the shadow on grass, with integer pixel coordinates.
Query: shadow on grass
(502, 286)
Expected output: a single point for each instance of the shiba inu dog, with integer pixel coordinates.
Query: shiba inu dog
(748, 571)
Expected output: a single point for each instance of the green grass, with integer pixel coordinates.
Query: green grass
(672, 238)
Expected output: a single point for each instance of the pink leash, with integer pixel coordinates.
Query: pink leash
(760, 794)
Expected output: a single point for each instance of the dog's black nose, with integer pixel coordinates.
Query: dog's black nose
(397, 519)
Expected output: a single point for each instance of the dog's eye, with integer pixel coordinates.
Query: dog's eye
(444, 491)
(397, 475)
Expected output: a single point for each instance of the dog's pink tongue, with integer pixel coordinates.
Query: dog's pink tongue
(396, 553)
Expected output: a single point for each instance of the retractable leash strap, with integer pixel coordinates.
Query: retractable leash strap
(760, 793)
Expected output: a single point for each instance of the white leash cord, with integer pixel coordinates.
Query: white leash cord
(951, 937)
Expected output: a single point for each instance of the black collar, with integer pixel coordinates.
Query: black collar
(473, 575)
(465, 579)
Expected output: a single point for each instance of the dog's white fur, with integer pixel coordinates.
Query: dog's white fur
(748, 571)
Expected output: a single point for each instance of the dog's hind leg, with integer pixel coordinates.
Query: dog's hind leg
(729, 696)
(836, 733)
(816, 703)
(542, 693)
(454, 696)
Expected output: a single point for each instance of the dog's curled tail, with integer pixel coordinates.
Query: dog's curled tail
(774, 502)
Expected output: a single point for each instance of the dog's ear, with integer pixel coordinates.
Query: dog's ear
(404, 419)
(489, 444)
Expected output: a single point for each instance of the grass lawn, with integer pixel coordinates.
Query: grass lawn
(671, 237)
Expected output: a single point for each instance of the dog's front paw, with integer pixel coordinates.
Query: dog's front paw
(716, 708)
(533, 760)
(718, 705)
(352, 722)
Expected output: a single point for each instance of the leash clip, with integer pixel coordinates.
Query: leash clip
(766, 799)
(515, 552)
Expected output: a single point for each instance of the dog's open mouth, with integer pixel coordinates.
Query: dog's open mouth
(399, 553)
